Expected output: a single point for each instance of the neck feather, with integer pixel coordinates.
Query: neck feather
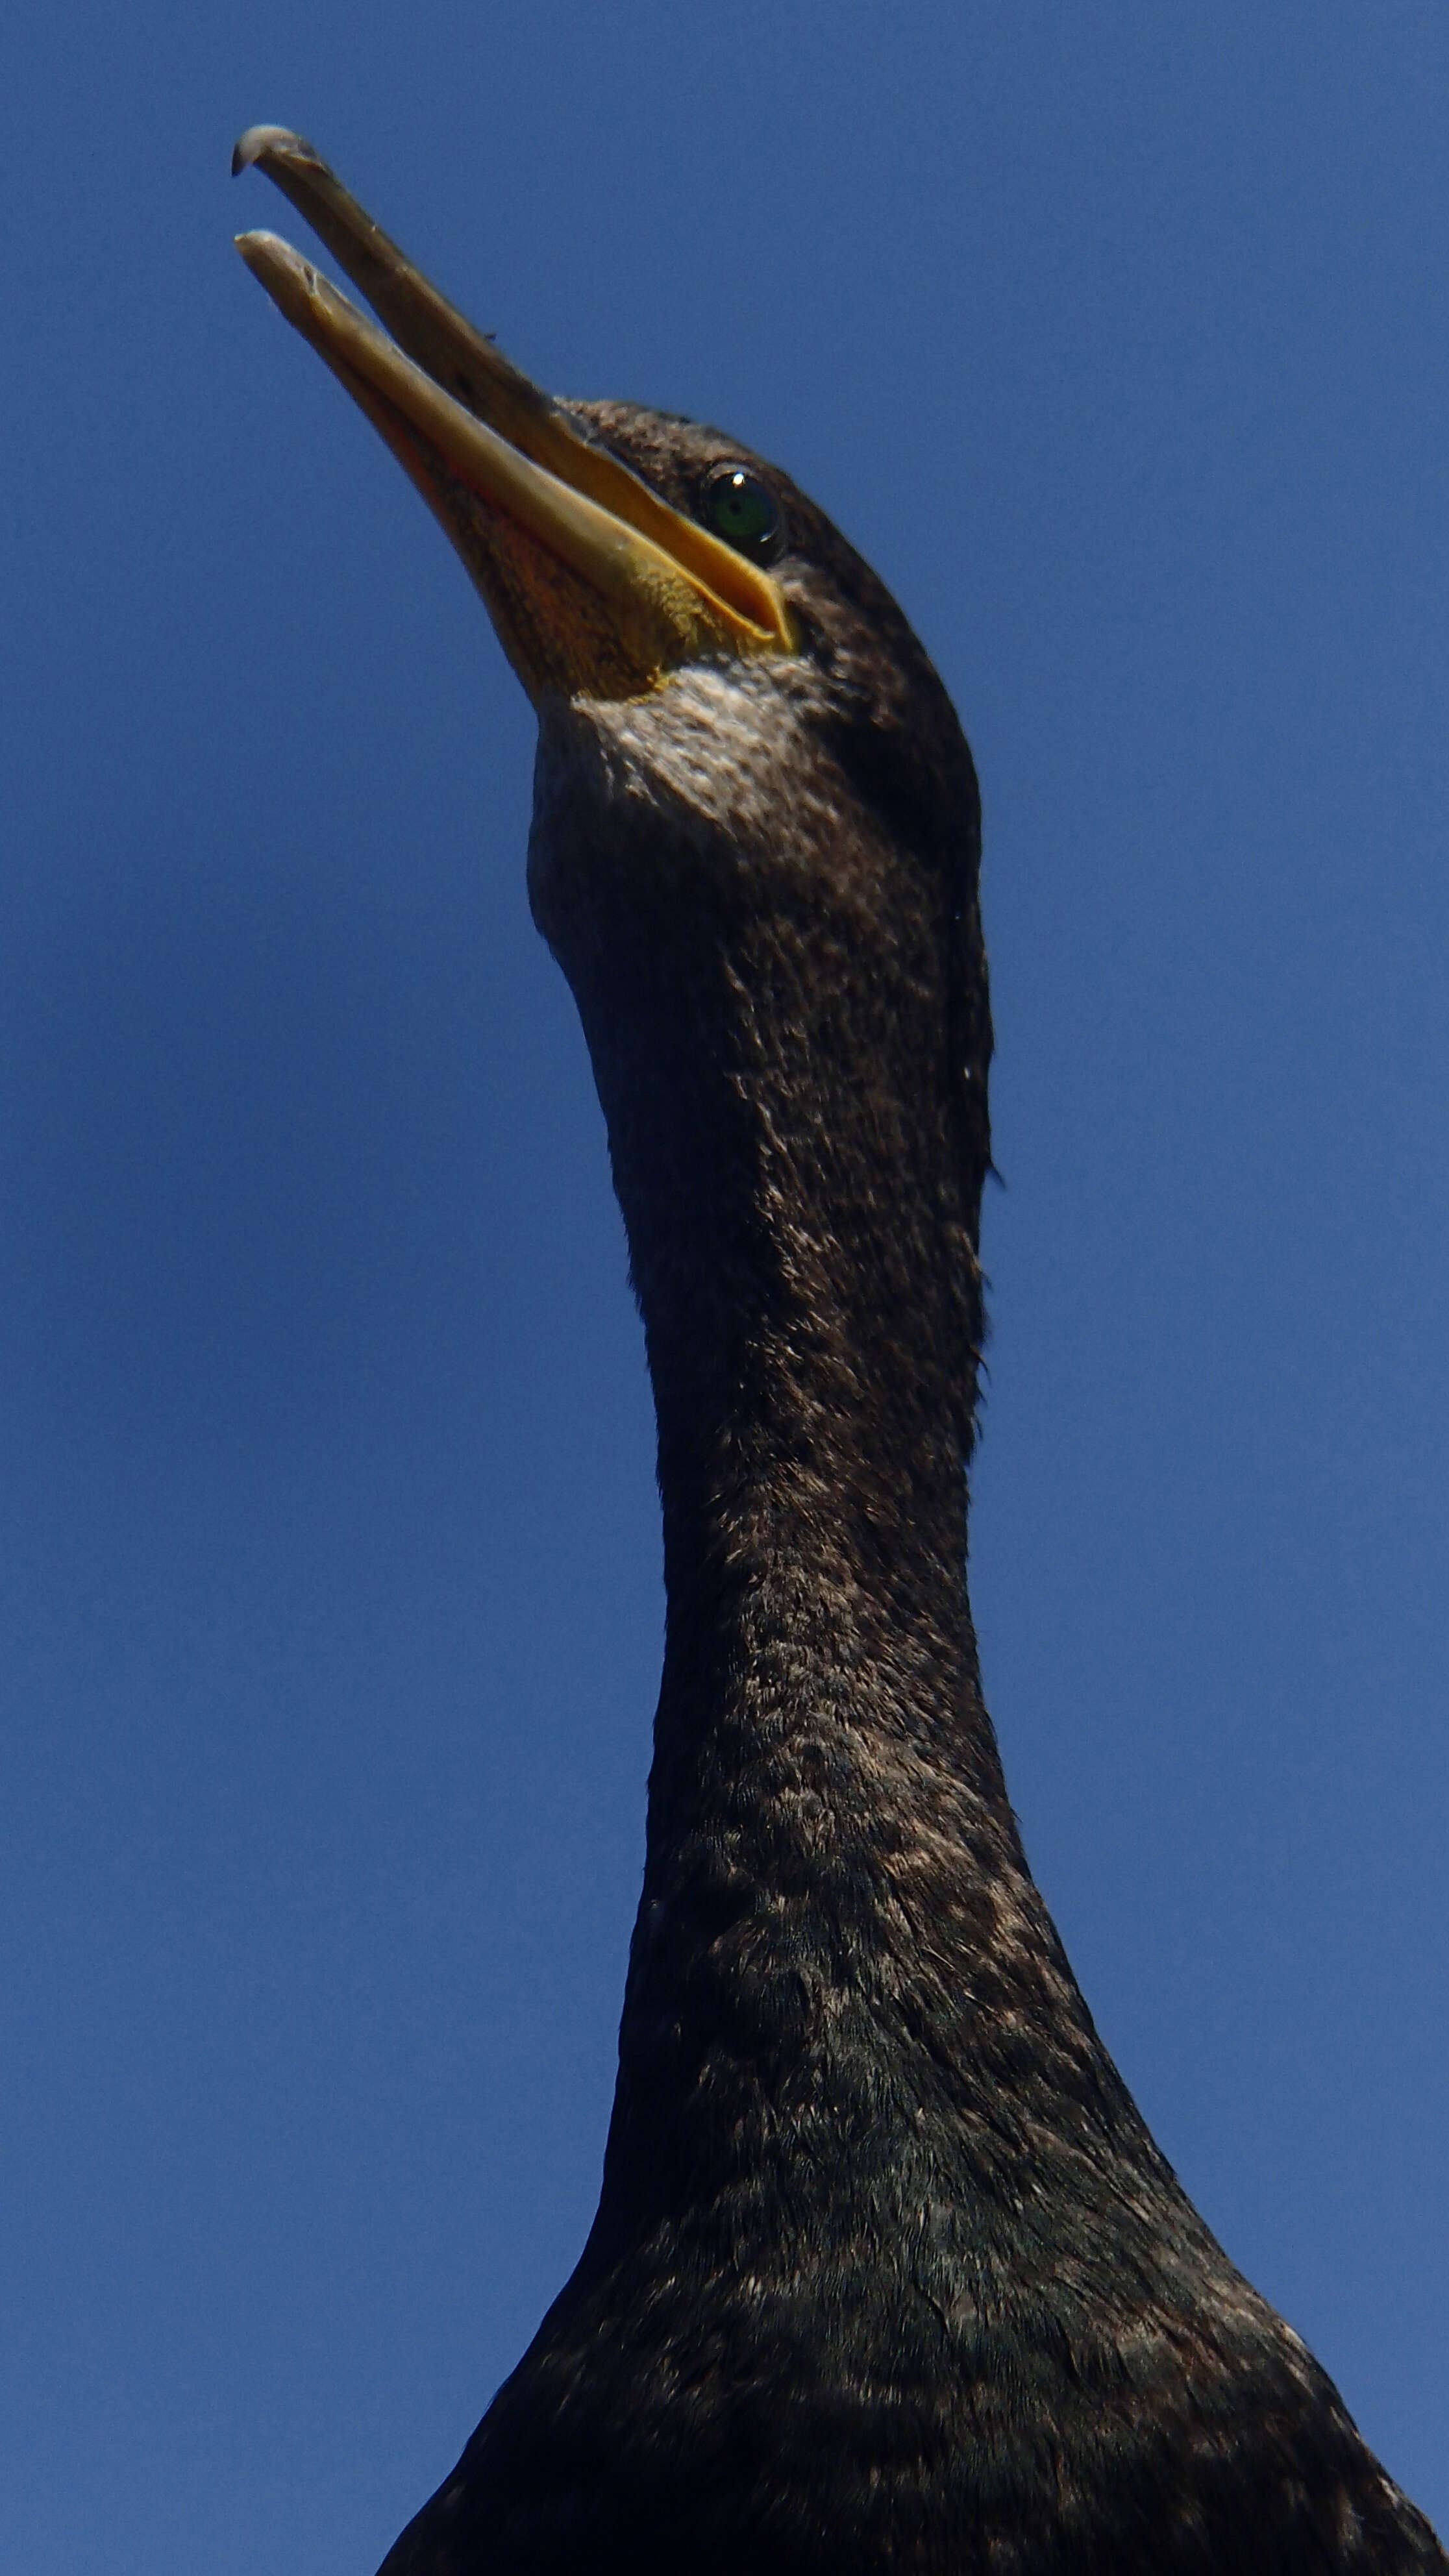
(830, 1847)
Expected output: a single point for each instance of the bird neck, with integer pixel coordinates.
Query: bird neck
(828, 1826)
(791, 1186)
(807, 1382)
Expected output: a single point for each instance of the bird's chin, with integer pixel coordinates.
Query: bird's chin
(721, 747)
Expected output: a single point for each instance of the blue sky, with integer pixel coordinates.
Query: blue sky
(1116, 338)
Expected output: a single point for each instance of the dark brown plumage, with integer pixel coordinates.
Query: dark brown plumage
(887, 2274)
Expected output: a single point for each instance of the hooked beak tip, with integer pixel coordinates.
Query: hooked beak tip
(259, 139)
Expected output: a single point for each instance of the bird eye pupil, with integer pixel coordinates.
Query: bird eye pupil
(742, 510)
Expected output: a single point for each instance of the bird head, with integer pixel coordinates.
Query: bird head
(756, 826)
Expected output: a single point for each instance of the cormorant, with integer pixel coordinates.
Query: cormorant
(887, 2277)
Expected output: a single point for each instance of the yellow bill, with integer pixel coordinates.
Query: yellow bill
(596, 586)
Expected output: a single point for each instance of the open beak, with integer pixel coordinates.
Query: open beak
(596, 586)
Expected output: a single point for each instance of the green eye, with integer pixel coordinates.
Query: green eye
(744, 511)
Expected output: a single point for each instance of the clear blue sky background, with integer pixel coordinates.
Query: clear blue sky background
(1115, 336)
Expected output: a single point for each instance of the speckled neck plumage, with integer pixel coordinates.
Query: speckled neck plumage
(780, 1089)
